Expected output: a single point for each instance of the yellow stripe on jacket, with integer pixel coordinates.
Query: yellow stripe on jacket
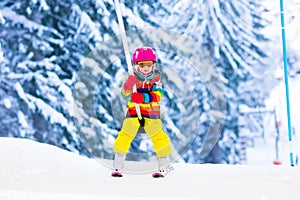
(152, 91)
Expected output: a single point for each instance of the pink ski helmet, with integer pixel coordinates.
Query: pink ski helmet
(143, 54)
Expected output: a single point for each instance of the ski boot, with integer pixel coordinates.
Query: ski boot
(118, 165)
(164, 167)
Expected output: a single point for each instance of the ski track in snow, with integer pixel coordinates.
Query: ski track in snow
(35, 171)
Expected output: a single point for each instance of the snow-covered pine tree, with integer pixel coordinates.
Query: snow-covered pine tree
(37, 80)
(45, 43)
(232, 36)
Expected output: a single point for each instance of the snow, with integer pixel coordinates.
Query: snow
(86, 21)
(12, 15)
(44, 5)
(35, 171)
(22, 120)
(1, 52)
(7, 103)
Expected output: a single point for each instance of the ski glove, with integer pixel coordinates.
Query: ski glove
(137, 97)
(131, 80)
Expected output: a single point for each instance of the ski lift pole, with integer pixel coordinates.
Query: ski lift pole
(126, 50)
(286, 78)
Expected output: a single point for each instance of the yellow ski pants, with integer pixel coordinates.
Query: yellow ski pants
(153, 128)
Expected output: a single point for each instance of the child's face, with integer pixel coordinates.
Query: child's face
(145, 66)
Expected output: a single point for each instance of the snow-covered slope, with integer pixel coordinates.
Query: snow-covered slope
(35, 171)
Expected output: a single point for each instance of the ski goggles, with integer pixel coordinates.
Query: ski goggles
(145, 64)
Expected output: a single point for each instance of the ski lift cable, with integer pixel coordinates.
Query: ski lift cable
(126, 49)
(286, 78)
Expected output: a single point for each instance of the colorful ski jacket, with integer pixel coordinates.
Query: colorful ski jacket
(152, 90)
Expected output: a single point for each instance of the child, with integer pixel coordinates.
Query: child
(143, 102)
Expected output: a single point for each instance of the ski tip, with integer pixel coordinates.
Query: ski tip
(277, 162)
(116, 174)
(157, 175)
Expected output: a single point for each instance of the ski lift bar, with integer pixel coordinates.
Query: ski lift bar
(126, 50)
(286, 78)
